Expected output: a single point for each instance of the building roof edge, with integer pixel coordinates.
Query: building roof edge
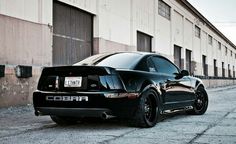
(198, 14)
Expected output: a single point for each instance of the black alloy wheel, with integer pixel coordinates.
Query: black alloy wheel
(147, 113)
(149, 109)
(201, 102)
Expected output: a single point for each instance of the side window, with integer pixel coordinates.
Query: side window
(164, 66)
(146, 64)
(151, 65)
(142, 65)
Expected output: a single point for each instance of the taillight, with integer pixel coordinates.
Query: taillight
(110, 82)
(48, 83)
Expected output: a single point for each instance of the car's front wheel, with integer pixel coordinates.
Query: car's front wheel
(201, 102)
(63, 120)
(147, 112)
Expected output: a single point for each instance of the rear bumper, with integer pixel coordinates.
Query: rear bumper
(71, 112)
(121, 105)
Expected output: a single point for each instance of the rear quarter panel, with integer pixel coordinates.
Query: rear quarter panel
(135, 81)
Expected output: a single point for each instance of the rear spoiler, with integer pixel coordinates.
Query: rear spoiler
(74, 70)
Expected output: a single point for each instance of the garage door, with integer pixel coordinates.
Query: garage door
(72, 34)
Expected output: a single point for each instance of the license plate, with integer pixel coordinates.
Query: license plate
(73, 82)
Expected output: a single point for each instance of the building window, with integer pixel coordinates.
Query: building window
(209, 39)
(177, 56)
(229, 72)
(197, 32)
(144, 42)
(164, 9)
(233, 72)
(235, 56)
(231, 53)
(223, 69)
(226, 51)
(204, 66)
(219, 45)
(188, 60)
(215, 68)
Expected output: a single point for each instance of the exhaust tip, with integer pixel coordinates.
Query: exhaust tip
(106, 116)
(36, 113)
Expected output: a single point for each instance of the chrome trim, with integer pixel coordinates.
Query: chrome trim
(121, 95)
(82, 109)
(131, 95)
(177, 102)
(57, 83)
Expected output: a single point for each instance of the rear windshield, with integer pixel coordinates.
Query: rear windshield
(117, 60)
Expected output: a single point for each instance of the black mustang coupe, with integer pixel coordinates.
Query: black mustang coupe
(136, 86)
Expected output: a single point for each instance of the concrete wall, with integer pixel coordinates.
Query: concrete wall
(17, 91)
(23, 42)
(213, 83)
(37, 11)
(25, 39)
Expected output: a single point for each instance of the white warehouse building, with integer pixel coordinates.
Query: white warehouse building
(38, 33)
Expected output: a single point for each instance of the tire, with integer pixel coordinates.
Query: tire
(63, 120)
(201, 102)
(147, 112)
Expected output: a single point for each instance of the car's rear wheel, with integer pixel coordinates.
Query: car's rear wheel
(64, 120)
(147, 112)
(201, 102)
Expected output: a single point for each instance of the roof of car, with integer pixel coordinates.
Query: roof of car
(89, 61)
(137, 52)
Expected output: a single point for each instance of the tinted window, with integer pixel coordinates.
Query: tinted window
(92, 59)
(121, 60)
(146, 64)
(164, 66)
(117, 60)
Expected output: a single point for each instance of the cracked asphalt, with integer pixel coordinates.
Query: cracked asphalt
(216, 126)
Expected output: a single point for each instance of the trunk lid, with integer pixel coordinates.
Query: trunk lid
(80, 78)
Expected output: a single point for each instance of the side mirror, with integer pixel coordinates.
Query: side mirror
(184, 73)
(181, 74)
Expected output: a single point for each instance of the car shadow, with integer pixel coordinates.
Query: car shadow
(97, 123)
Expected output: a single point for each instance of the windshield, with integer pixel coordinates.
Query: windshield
(117, 60)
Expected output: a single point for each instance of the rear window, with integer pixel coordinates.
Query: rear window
(120, 60)
(117, 60)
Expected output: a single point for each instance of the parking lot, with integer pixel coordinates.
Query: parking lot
(217, 125)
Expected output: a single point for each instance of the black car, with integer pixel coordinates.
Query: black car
(136, 86)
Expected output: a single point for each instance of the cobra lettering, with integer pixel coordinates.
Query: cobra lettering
(66, 98)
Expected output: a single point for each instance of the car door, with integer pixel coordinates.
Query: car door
(177, 90)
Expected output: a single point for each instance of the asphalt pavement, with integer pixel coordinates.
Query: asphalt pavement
(18, 125)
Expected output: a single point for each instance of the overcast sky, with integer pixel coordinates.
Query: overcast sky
(221, 13)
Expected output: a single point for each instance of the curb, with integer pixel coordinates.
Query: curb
(221, 88)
